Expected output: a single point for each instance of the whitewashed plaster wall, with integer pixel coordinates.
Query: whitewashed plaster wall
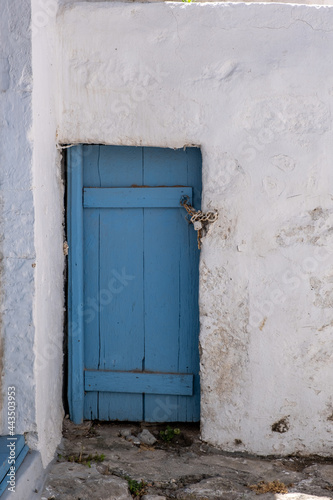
(17, 214)
(252, 85)
(304, 2)
(49, 233)
(32, 297)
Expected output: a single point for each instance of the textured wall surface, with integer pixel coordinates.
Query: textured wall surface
(252, 86)
(31, 209)
(49, 234)
(304, 2)
(17, 213)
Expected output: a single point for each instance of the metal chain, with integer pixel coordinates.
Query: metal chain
(198, 218)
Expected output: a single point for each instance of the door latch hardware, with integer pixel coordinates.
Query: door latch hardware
(198, 218)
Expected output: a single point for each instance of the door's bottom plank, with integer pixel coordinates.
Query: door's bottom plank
(176, 384)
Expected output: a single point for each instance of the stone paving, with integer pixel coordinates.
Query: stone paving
(112, 461)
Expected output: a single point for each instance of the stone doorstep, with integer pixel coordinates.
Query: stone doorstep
(188, 472)
(72, 481)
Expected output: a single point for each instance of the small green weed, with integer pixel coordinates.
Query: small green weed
(169, 433)
(86, 460)
(137, 489)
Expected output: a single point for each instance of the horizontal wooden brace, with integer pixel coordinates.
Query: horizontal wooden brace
(135, 197)
(176, 384)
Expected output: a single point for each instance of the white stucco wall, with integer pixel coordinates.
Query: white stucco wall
(32, 297)
(17, 213)
(304, 2)
(251, 84)
(49, 232)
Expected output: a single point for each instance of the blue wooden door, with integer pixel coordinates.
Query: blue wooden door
(133, 284)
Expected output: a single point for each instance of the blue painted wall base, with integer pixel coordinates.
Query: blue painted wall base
(12, 453)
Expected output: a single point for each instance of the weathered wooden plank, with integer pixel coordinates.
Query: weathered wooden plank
(120, 166)
(161, 197)
(91, 270)
(121, 283)
(91, 267)
(136, 382)
(75, 278)
(171, 258)
(189, 311)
